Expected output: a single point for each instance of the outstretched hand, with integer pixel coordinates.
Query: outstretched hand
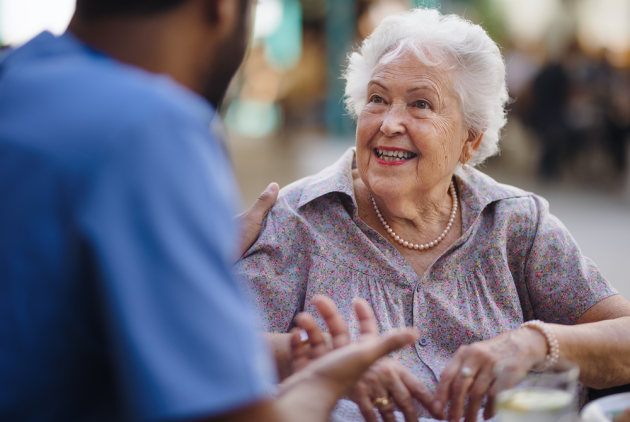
(387, 378)
(250, 221)
(339, 370)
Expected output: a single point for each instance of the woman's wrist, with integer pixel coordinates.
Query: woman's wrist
(543, 332)
(534, 343)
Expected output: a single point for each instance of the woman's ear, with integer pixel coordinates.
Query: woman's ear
(470, 146)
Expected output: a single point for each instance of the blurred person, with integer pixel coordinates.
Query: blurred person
(614, 101)
(117, 300)
(547, 117)
(404, 221)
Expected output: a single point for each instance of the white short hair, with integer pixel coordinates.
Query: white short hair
(473, 60)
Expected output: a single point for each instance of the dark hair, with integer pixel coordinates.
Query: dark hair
(94, 9)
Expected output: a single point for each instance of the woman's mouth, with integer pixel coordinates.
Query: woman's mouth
(393, 155)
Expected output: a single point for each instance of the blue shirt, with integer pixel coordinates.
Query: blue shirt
(116, 242)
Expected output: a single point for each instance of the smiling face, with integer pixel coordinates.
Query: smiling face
(410, 134)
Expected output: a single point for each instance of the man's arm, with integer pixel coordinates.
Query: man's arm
(310, 394)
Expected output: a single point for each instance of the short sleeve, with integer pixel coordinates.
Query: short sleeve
(274, 272)
(562, 283)
(156, 214)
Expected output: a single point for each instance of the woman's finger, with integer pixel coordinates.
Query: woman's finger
(418, 390)
(444, 386)
(488, 411)
(460, 386)
(478, 391)
(316, 339)
(379, 396)
(384, 403)
(402, 397)
(299, 355)
(361, 397)
(365, 318)
(336, 325)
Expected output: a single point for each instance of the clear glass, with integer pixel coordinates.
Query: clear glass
(548, 396)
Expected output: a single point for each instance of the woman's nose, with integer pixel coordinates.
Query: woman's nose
(394, 123)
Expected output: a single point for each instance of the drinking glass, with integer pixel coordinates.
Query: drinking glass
(548, 396)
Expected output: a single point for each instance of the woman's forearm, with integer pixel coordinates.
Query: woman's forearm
(601, 349)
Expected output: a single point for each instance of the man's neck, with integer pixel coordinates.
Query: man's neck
(158, 44)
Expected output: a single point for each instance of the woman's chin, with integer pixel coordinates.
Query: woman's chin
(389, 188)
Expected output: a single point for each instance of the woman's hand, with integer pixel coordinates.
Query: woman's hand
(386, 379)
(470, 372)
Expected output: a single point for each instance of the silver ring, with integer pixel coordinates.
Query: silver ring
(466, 372)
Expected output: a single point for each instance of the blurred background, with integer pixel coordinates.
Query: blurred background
(568, 126)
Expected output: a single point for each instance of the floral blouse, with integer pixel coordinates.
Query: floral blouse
(514, 262)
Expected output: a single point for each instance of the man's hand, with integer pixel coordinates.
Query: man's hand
(387, 378)
(250, 222)
(312, 392)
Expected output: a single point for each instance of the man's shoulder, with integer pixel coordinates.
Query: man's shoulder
(89, 97)
(79, 108)
(113, 94)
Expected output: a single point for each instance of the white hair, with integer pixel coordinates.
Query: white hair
(475, 63)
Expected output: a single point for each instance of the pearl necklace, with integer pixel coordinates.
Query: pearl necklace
(411, 245)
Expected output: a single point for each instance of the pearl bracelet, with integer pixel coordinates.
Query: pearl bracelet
(553, 353)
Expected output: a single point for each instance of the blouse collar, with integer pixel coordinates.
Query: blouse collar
(476, 189)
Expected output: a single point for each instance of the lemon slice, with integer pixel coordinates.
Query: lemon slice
(535, 400)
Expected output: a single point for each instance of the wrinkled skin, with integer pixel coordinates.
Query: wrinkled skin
(412, 107)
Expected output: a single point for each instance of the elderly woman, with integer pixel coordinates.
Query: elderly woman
(405, 222)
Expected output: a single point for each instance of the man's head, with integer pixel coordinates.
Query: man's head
(98, 9)
(201, 43)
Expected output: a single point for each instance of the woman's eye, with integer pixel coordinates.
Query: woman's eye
(376, 99)
(422, 104)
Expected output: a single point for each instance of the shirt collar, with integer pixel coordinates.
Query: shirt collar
(335, 178)
(476, 189)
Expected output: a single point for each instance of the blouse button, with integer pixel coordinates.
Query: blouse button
(423, 341)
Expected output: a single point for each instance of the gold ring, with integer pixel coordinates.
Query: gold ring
(380, 402)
